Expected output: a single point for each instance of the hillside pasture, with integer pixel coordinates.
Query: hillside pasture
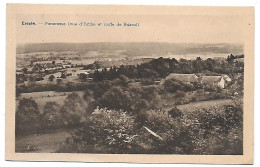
(42, 98)
(205, 104)
(41, 143)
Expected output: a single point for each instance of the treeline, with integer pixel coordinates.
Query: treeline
(162, 67)
(29, 119)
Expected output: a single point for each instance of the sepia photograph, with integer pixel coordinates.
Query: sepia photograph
(122, 98)
(157, 82)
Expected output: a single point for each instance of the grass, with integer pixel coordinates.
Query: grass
(204, 104)
(43, 143)
(42, 98)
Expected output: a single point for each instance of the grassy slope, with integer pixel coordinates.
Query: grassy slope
(42, 98)
(44, 143)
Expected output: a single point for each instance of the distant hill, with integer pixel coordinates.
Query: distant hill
(125, 62)
(134, 49)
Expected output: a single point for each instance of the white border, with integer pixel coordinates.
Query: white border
(132, 2)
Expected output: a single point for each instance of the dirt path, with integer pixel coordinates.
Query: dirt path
(44, 143)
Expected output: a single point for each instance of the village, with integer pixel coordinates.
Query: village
(58, 71)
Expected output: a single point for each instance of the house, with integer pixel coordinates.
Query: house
(226, 78)
(239, 60)
(188, 78)
(206, 80)
(77, 73)
(66, 66)
(213, 80)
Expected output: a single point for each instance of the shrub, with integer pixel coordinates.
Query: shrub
(147, 81)
(73, 110)
(27, 117)
(115, 98)
(51, 117)
(105, 131)
(151, 95)
(175, 113)
(176, 134)
(213, 131)
(122, 80)
(100, 88)
(171, 86)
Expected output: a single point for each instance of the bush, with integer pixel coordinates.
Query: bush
(115, 98)
(176, 134)
(73, 111)
(208, 131)
(210, 88)
(105, 131)
(27, 117)
(175, 113)
(122, 81)
(51, 117)
(147, 81)
(171, 86)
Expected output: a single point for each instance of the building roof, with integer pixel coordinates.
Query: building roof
(183, 77)
(210, 79)
(226, 78)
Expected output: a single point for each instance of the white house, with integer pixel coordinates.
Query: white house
(206, 80)
(213, 80)
(226, 78)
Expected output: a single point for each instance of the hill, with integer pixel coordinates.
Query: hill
(134, 49)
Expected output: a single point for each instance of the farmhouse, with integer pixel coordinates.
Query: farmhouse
(188, 78)
(81, 72)
(213, 80)
(206, 80)
(226, 78)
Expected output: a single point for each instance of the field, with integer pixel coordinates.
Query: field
(41, 143)
(205, 104)
(41, 98)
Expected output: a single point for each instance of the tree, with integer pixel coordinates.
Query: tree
(27, 117)
(175, 112)
(210, 64)
(122, 80)
(73, 110)
(59, 81)
(51, 78)
(63, 76)
(230, 58)
(31, 79)
(97, 76)
(83, 76)
(20, 78)
(25, 70)
(198, 64)
(104, 131)
(115, 98)
(171, 86)
(51, 117)
(150, 94)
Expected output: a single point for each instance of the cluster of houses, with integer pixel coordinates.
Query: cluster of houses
(219, 81)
